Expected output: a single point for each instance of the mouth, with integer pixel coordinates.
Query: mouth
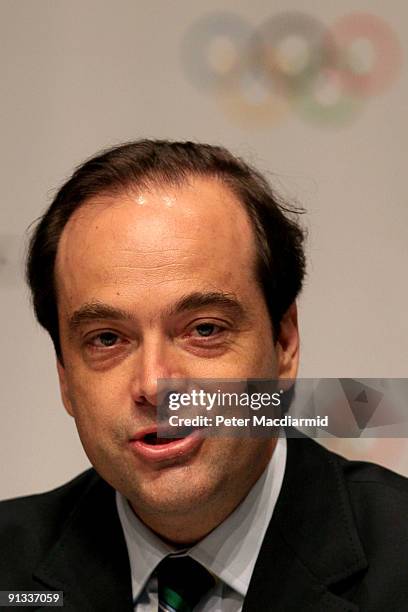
(158, 437)
(151, 445)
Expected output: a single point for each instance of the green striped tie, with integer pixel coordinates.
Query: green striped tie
(182, 582)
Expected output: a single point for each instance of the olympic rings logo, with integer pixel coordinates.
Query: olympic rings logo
(292, 61)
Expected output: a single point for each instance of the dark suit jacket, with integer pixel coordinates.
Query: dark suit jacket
(338, 541)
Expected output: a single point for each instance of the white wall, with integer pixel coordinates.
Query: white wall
(77, 75)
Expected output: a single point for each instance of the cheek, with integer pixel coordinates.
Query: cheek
(96, 400)
(100, 422)
(262, 355)
(235, 460)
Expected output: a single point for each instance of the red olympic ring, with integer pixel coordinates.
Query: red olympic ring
(388, 53)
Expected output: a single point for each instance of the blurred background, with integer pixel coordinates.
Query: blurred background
(314, 94)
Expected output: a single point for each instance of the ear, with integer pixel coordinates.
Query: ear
(288, 344)
(62, 376)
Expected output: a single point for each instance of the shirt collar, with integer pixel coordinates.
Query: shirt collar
(145, 549)
(230, 550)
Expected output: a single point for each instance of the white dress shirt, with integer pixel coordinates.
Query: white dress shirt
(229, 551)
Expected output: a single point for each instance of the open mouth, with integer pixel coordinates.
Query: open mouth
(156, 446)
(153, 439)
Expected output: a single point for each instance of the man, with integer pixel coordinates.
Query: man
(165, 260)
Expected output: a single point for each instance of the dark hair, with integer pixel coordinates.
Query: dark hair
(279, 238)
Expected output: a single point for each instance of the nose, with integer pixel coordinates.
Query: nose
(156, 359)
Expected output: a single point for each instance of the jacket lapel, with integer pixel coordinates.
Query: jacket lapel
(89, 562)
(311, 550)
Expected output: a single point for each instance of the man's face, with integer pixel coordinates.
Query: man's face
(161, 284)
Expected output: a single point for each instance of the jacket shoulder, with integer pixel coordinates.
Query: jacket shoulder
(373, 482)
(379, 503)
(366, 473)
(30, 525)
(59, 501)
(379, 500)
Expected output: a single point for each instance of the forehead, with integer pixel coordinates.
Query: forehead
(195, 233)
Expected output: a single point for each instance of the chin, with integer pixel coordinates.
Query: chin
(179, 494)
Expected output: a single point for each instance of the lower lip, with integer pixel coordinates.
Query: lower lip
(170, 450)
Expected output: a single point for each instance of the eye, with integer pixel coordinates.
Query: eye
(206, 329)
(104, 340)
(207, 338)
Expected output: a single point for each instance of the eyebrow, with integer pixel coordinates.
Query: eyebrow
(96, 310)
(196, 300)
(92, 311)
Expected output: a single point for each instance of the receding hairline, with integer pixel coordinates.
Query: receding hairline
(155, 181)
(111, 197)
(114, 197)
